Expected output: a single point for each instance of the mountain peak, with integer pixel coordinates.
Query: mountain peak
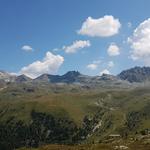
(72, 73)
(23, 78)
(136, 74)
(108, 77)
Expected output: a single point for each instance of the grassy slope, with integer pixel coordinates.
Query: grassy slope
(21, 104)
(17, 102)
(131, 146)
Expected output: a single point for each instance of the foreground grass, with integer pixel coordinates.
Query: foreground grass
(64, 147)
(130, 146)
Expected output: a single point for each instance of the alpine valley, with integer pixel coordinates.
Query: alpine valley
(75, 111)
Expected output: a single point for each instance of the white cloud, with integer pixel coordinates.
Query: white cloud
(113, 50)
(76, 46)
(111, 64)
(105, 71)
(50, 64)
(27, 48)
(101, 27)
(140, 42)
(92, 66)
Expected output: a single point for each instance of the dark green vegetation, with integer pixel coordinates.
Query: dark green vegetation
(73, 109)
(42, 129)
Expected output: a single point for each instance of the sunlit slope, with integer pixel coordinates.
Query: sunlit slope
(117, 110)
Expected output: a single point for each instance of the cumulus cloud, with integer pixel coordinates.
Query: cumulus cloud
(76, 46)
(111, 64)
(27, 48)
(140, 42)
(92, 66)
(50, 64)
(105, 71)
(113, 50)
(101, 27)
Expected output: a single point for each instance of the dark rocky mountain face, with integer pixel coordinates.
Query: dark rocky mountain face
(69, 77)
(72, 74)
(22, 78)
(136, 74)
(48, 78)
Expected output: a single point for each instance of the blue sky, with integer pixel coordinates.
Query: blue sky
(30, 29)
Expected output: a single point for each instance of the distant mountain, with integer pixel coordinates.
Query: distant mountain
(22, 78)
(108, 77)
(76, 78)
(125, 78)
(7, 77)
(136, 74)
(47, 78)
(69, 77)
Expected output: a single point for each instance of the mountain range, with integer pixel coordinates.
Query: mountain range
(133, 75)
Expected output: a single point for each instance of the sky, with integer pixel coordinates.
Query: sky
(89, 36)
